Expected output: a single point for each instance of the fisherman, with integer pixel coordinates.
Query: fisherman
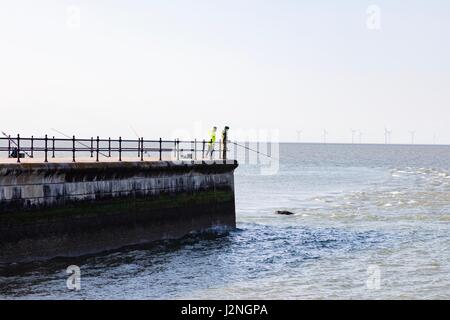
(211, 142)
(14, 153)
(224, 142)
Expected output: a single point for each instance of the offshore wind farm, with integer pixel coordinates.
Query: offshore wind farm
(356, 137)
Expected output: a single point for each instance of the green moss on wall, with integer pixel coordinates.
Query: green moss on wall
(118, 206)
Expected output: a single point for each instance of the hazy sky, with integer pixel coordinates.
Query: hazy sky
(98, 67)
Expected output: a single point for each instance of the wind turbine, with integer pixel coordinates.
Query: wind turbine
(325, 134)
(387, 135)
(413, 134)
(353, 135)
(299, 135)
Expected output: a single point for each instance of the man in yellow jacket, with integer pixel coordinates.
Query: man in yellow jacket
(211, 142)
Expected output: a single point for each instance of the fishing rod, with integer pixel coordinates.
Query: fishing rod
(134, 131)
(15, 143)
(137, 135)
(69, 137)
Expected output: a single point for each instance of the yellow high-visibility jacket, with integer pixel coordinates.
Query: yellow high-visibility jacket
(213, 137)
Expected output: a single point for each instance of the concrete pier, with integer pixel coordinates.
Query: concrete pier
(68, 209)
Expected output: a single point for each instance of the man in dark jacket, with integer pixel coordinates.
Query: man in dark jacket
(224, 141)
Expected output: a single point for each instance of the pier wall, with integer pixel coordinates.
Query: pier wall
(70, 209)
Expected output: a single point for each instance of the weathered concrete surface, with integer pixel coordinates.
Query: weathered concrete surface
(65, 209)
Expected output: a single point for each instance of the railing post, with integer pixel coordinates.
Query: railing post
(224, 157)
(9, 146)
(120, 148)
(195, 149)
(220, 148)
(109, 147)
(160, 149)
(258, 160)
(142, 149)
(73, 149)
(32, 147)
(246, 152)
(46, 149)
(98, 147)
(18, 148)
(175, 148)
(53, 147)
(178, 149)
(92, 147)
(269, 149)
(212, 145)
(203, 149)
(139, 147)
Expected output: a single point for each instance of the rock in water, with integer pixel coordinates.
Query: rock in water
(284, 212)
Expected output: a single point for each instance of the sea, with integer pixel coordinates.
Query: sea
(368, 222)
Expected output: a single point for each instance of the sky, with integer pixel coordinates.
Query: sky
(265, 68)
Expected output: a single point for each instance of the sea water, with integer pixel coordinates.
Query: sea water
(369, 222)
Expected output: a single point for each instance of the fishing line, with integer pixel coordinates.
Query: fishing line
(256, 151)
(263, 154)
(137, 135)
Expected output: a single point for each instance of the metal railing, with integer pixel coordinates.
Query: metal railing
(47, 148)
